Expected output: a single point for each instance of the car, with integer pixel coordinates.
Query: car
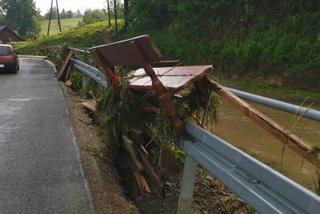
(9, 61)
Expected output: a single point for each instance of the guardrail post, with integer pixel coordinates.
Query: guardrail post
(84, 81)
(187, 187)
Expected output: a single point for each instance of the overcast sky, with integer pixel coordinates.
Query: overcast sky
(82, 5)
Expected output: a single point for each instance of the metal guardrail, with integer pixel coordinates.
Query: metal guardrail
(283, 106)
(91, 72)
(260, 186)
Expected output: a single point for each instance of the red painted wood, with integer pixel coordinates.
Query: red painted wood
(171, 77)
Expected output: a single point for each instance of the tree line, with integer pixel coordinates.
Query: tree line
(64, 14)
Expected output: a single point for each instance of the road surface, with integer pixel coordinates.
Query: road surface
(40, 171)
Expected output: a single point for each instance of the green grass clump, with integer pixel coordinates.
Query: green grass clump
(85, 36)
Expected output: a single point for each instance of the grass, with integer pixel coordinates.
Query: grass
(85, 36)
(66, 24)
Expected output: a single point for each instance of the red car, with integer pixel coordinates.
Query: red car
(8, 59)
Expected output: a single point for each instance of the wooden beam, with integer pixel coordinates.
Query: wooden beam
(152, 174)
(129, 145)
(292, 141)
(64, 71)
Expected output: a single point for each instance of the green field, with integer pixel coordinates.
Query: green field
(65, 23)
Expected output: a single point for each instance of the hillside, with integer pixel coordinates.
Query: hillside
(66, 24)
(53, 46)
(274, 41)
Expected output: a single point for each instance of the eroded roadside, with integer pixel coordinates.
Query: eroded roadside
(96, 158)
(107, 185)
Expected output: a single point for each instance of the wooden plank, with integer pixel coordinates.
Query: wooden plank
(129, 145)
(135, 51)
(90, 105)
(142, 182)
(68, 83)
(166, 63)
(173, 78)
(152, 174)
(63, 73)
(292, 141)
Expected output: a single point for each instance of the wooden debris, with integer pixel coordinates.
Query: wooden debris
(144, 150)
(291, 140)
(90, 105)
(64, 71)
(152, 174)
(129, 145)
(69, 83)
(142, 183)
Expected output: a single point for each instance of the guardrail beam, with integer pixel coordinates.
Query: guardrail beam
(263, 188)
(90, 72)
(277, 104)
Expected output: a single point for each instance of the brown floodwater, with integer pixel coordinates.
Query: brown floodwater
(240, 131)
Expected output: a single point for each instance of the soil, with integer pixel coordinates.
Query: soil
(106, 184)
(97, 162)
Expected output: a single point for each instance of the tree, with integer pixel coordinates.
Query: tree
(63, 14)
(126, 13)
(69, 14)
(109, 14)
(78, 14)
(21, 15)
(146, 13)
(91, 16)
(53, 14)
(115, 15)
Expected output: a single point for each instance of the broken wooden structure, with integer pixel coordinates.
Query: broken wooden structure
(140, 52)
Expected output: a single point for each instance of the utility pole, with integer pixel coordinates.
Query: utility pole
(49, 25)
(126, 14)
(115, 15)
(50, 17)
(58, 14)
(109, 15)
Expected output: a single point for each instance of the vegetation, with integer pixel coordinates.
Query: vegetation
(63, 14)
(54, 46)
(278, 40)
(66, 24)
(92, 16)
(21, 16)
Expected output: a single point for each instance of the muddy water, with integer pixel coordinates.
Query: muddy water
(246, 135)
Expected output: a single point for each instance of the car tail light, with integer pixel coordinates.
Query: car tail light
(12, 59)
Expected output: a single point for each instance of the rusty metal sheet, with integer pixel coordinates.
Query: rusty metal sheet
(135, 51)
(171, 77)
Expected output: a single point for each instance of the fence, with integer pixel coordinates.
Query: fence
(260, 186)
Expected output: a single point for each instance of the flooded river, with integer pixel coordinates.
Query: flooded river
(240, 131)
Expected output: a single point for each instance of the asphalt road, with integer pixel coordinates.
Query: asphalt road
(40, 171)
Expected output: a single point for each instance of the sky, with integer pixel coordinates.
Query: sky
(73, 5)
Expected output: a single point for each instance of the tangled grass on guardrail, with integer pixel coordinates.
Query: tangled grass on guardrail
(123, 114)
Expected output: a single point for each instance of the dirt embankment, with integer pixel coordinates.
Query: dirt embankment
(111, 191)
(97, 161)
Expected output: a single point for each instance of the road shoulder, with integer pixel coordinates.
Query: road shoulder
(96, 158)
